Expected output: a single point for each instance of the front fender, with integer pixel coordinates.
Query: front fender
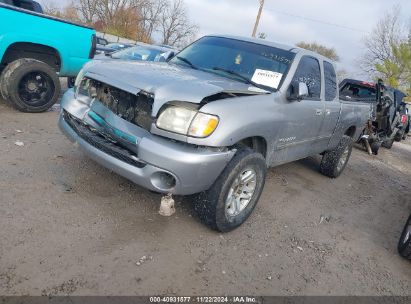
(240, 118)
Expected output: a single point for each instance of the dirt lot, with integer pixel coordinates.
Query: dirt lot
(69, 226)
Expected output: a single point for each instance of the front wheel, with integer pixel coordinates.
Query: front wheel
(335, 161)
(30, 85)
(404, 244)
(235, 193)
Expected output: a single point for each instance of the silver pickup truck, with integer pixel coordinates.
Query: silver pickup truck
(211, 120)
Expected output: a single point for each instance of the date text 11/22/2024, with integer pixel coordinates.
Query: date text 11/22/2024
(203, 299)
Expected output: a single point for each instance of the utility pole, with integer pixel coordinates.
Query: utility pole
(257, 21)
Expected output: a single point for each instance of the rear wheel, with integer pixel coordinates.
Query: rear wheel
(30, 85)
(233, 196)
(335, 161)
(404, 244)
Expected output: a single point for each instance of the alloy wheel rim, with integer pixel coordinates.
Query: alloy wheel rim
(241, 192)
(407, 234)
(343, 159)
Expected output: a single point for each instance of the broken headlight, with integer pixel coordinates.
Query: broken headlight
(187, 122)
(78, 81)
(84, 87)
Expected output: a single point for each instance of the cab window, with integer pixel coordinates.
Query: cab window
(309, 72)
(330, 78)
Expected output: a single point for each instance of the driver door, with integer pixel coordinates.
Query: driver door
(299, 136)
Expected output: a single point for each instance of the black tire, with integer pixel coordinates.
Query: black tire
(334, 162)
(388, 143)
(211, 205)
(398, 137)
(30, 85)
(375, 146)
(407, 130)
(404, 244)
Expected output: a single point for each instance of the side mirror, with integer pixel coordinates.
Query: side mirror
(166, 56)
(297, 91)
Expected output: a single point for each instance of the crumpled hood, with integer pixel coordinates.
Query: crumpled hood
(168, 82)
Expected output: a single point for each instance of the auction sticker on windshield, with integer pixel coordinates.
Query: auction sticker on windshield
(267, 78)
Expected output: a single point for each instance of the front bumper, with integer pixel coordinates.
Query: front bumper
(151, 161)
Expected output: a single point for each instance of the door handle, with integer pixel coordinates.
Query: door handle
(318, 112)
(327, 112)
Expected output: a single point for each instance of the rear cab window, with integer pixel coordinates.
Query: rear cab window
(330, 78)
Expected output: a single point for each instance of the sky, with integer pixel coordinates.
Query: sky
(291, 21)
(288, 22)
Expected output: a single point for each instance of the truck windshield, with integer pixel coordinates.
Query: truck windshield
(261, 65)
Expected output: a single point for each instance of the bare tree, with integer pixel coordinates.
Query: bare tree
(87, 10)
(50, 8)
(341, 75)
(118, 17)
(67, 12)
(389, 31)
(135, 19)
(149, 17)
(175, 27)
(107, 10)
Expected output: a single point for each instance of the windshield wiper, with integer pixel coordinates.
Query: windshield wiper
(187, 61)
(249, 81)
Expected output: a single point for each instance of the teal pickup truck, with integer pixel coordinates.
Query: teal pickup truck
(37, 49)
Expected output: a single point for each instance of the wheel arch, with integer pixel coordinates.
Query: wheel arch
(257, 143)
(41, 52)
(351, 131)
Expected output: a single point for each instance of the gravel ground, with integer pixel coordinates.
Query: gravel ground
(70, 227)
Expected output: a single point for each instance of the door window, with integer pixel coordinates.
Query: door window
(308, 71)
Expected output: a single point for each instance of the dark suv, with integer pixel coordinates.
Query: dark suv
(404, 127)
(388, 120)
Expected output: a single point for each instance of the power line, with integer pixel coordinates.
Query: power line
(319, 21)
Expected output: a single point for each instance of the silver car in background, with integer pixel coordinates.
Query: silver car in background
(140, 52)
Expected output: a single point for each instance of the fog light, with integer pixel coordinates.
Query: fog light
(163, 181)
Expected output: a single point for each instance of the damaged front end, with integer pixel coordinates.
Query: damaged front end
(134, 108)
(171, 118)
(112, 126)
